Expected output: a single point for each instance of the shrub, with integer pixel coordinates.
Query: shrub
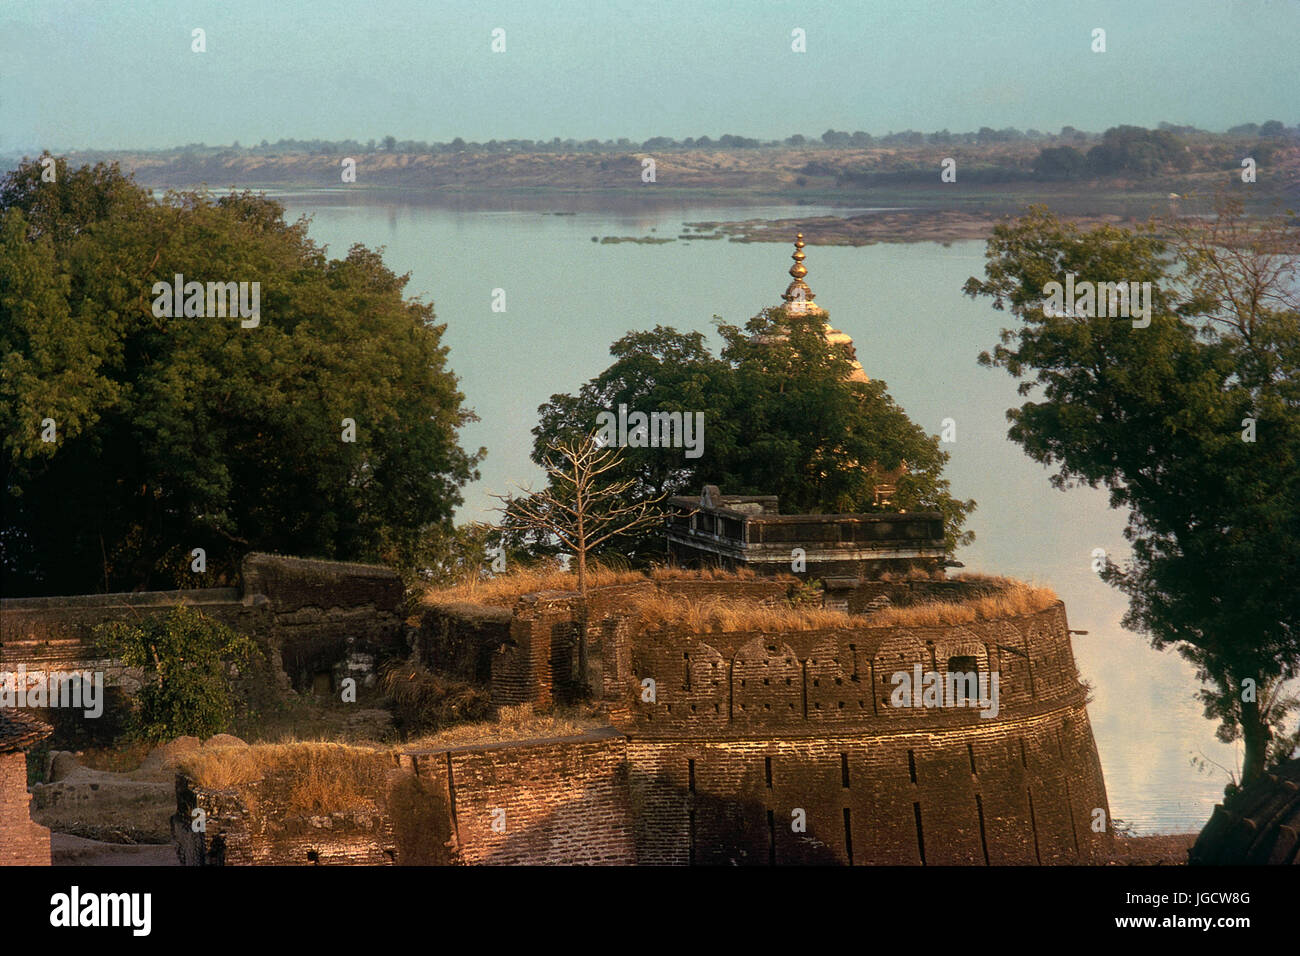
(187, 660)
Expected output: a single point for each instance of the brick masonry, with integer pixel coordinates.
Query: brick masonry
(22, 842)
(561, 801)
(311, 617)
(758, 749)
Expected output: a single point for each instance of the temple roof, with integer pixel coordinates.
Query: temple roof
(798, 298)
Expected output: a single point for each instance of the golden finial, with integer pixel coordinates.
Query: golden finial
(798, 270)
(798, 297)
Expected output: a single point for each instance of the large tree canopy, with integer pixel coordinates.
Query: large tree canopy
(781, 416)
(1192, 423)
(177, 433)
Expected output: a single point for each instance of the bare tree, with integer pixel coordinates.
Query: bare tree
(578, 507)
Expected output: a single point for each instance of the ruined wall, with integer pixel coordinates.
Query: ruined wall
(22, 842)
(545, 650)
(57, 633)
(310, 616)
(865, 596)
(327, 617)
(747, 733)
(561, 801)
(261, 823)
(459, 640)
(40, 636)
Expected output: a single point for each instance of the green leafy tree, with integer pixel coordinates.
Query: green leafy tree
(1191, 423)
(188, 661)
(1134, 150)
(1059, 162)
(781, 416)
(799, 426)
(175, 433)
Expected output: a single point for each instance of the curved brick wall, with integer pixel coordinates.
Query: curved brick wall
(747, 728)
(748, 733)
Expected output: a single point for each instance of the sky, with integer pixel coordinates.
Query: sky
(110, 74)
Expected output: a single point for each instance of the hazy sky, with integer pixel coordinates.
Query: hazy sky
(117, 74)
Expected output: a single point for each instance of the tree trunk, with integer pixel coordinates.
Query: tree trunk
(1256, 735)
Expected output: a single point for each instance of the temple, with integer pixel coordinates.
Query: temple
(732, 531)
(798, 299)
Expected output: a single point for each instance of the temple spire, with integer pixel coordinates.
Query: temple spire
(798, 297)
(799, 301)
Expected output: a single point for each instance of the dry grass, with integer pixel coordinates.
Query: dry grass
(504, 589)
(323, 777)
(702, 574)
(987, 580)
(515, 724)
(1016, 599)
(718, 614)
(327, 777)
(424, 701)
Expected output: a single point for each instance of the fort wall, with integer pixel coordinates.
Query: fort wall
(558, 801)
(546, 648)
(744, 729)
(311, 615)
(756, 747)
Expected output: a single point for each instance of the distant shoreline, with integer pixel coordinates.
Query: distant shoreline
(903, 183)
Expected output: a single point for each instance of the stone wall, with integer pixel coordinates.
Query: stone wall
(329, 619)
(1020, 792)
(551, 802)
(22, 842)
(747, 728)
(260, 823)
(560, 801)
(545, 650)
(315, 619)
(758, 748)
(459, 640)
(802, 681)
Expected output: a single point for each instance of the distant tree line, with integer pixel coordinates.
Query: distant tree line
(831, 138)
(1134, 151)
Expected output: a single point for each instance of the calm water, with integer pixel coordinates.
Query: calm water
(568, 298)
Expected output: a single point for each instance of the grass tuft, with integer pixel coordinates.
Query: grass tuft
(1016, 599)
